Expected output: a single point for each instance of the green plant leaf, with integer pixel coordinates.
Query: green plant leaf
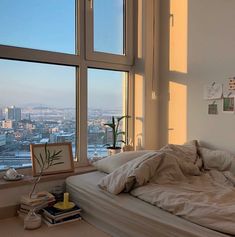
(122, 117)
(122, 141)
(121, 133)
(38, 161)
(58, 163)
(110, 125)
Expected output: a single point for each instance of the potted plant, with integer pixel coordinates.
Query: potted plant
(114, 125)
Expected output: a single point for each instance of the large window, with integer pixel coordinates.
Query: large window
(37, 105)
(38, 24)
(107, 93)
(51, 93)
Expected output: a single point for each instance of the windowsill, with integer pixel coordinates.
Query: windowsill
(29, 178)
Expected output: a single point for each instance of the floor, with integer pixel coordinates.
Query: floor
(13, 227)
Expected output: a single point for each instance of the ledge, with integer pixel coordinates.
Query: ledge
(27, 180)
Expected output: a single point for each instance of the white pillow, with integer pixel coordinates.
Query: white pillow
(111, 163)
(188, 151)
(216, 159)
(139, 170)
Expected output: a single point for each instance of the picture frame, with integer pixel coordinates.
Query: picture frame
(228, 105)
(212, 109)
(64, 160)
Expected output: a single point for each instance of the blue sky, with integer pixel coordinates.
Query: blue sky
(50, 25)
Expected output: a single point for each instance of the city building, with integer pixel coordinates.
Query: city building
(2, 140)
(1, 114)
(8, 124)
(62, 137)
(13, 113)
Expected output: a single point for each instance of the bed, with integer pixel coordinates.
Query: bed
(124, 215)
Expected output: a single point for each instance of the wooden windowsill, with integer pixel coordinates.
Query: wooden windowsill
(28, 178)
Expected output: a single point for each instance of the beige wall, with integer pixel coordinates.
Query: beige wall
(11, 196)
(210, 57)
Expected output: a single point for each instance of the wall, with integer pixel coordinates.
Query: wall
(210, 57)
(11, 196)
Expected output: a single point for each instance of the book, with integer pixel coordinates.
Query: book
(51, 223)
(57, 214)
(37, 207)
(22, 214)
(42, 198)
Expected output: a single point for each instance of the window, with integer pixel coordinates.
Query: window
(109, 31)
(109, 28)
(38, 24)
(107, 93)
(37, 105)
(49, 92)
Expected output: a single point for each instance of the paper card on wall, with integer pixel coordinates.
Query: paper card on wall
(212, 109)
(228, 105)
(213, 91)
(231, 83)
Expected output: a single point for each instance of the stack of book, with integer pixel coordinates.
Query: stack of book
(53, 216)
(43, 199)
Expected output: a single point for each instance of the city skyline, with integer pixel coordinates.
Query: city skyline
(54, 125)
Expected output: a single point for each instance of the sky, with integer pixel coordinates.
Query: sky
(50, 25)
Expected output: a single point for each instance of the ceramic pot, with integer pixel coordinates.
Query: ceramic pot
(32, 221)
(113, 151)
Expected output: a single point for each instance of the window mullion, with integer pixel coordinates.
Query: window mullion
(82, 113)
(34, 55)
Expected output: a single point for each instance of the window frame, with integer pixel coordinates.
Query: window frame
(127, 99)
(82, 62)
(127, 58)
(23, 50)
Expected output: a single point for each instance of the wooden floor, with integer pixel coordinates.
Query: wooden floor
(13, 227)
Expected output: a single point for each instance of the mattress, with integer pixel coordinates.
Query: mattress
(124, 215)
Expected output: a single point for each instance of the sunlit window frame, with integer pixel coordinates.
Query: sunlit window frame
(82, 62)
(127, 58)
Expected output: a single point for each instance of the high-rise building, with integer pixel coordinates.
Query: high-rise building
(8, 124)
(13, 113)
(1, 114)
(2, 140)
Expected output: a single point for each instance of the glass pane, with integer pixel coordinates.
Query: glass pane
(38, 24)
(109, 26)
(37, 105)
(106, 98)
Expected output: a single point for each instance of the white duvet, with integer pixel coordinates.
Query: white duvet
(171, 179)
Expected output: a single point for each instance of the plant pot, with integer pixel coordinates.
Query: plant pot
(113, 151)
(32, 221)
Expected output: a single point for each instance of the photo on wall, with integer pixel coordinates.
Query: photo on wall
(212, 109)
(228, 105)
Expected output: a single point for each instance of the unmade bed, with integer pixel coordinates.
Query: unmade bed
(124, 215)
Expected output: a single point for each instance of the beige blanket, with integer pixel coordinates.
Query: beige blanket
(178, 186)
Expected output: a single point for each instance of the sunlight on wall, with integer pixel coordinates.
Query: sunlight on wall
(178, 35)
(139, 110)
(177, 112)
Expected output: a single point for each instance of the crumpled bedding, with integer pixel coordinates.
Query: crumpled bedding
(175, 181)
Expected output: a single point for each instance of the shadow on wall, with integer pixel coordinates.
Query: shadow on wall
(174, 72)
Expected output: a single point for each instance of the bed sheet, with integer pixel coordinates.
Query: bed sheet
(124, 215)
